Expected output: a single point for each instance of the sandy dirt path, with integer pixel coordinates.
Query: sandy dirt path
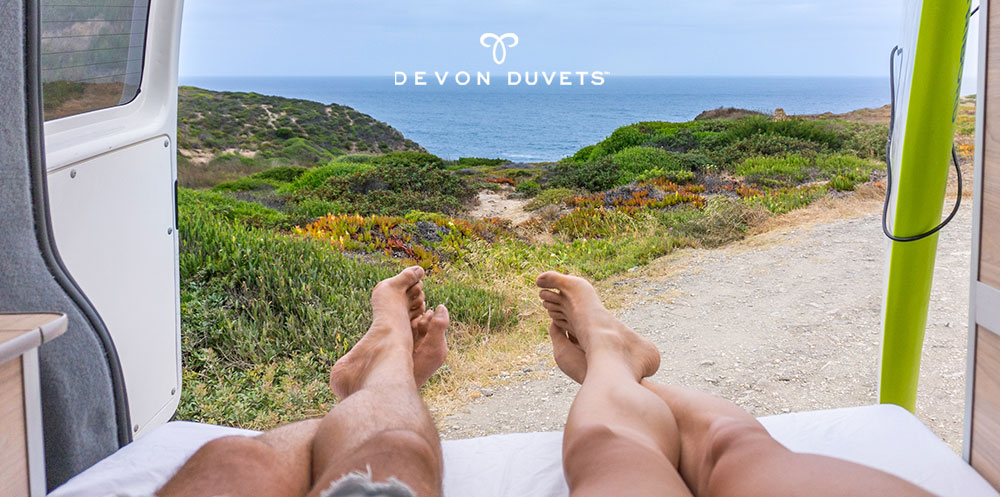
(500, 205)
(788, 320)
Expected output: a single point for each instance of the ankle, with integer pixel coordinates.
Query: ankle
(389, 333)
(607, 363)
(601, 340)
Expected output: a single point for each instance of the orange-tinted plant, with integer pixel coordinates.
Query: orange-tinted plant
(501, 181)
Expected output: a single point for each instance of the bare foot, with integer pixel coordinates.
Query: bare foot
(577, 310)
(430, 346)
(388, 344)
(569, 356)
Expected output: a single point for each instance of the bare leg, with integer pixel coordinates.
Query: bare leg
(275, 464)
(726, 452)
(279, 463)
(381, 425)
(620, 439)
(723, 450)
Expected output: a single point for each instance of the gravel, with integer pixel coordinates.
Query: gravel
(786, 321)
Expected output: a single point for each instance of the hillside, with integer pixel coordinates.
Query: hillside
(211, 123)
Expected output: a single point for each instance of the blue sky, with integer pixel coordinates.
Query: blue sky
(623, 37)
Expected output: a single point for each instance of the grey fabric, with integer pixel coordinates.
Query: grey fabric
(361, 485)
(78, 406)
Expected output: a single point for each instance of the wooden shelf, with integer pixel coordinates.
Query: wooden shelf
(22, 471)
(20, 333)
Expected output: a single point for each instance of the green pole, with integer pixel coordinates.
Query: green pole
(929, 107)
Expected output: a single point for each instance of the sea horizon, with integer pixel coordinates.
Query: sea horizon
(545, 123)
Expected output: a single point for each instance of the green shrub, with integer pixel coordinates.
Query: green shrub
(694, 161)
(868, 142)
(270, 179)
(284, 174)
(408, 159)
(551, 196)
(775, 171)
(356, 158)
(828, 134)
(397, 183)
(588, 153)
(842, 183)
(528, 188)
(595, 176)
(713, 140)
(766, 145)
(284, 133)
(300, 150)
(848, 166)
(229, 209)
(633, 161)
(620, 139)
(317, 176)
(682, 140)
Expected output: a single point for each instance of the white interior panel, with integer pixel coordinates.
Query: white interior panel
(113, 218)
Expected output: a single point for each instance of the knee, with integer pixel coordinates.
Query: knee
(408, 446)
(595, 452)
(725, 436)
(583, 441)
(230, 446)
(243, 452)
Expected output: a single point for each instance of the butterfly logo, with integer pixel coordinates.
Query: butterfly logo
(500, 44)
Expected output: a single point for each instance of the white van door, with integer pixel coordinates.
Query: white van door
(109, 84)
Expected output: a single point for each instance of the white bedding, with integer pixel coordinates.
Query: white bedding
(529, 465)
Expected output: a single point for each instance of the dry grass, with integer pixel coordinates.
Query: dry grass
(879, 115)
(202, 175)
(477, 357)
(477, 360)
(727, 113)
(866, 199)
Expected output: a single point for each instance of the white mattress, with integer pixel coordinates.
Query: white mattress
(529, 465)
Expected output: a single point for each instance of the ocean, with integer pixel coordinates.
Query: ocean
(546, 123)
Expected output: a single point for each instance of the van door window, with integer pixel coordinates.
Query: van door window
(91, 54)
